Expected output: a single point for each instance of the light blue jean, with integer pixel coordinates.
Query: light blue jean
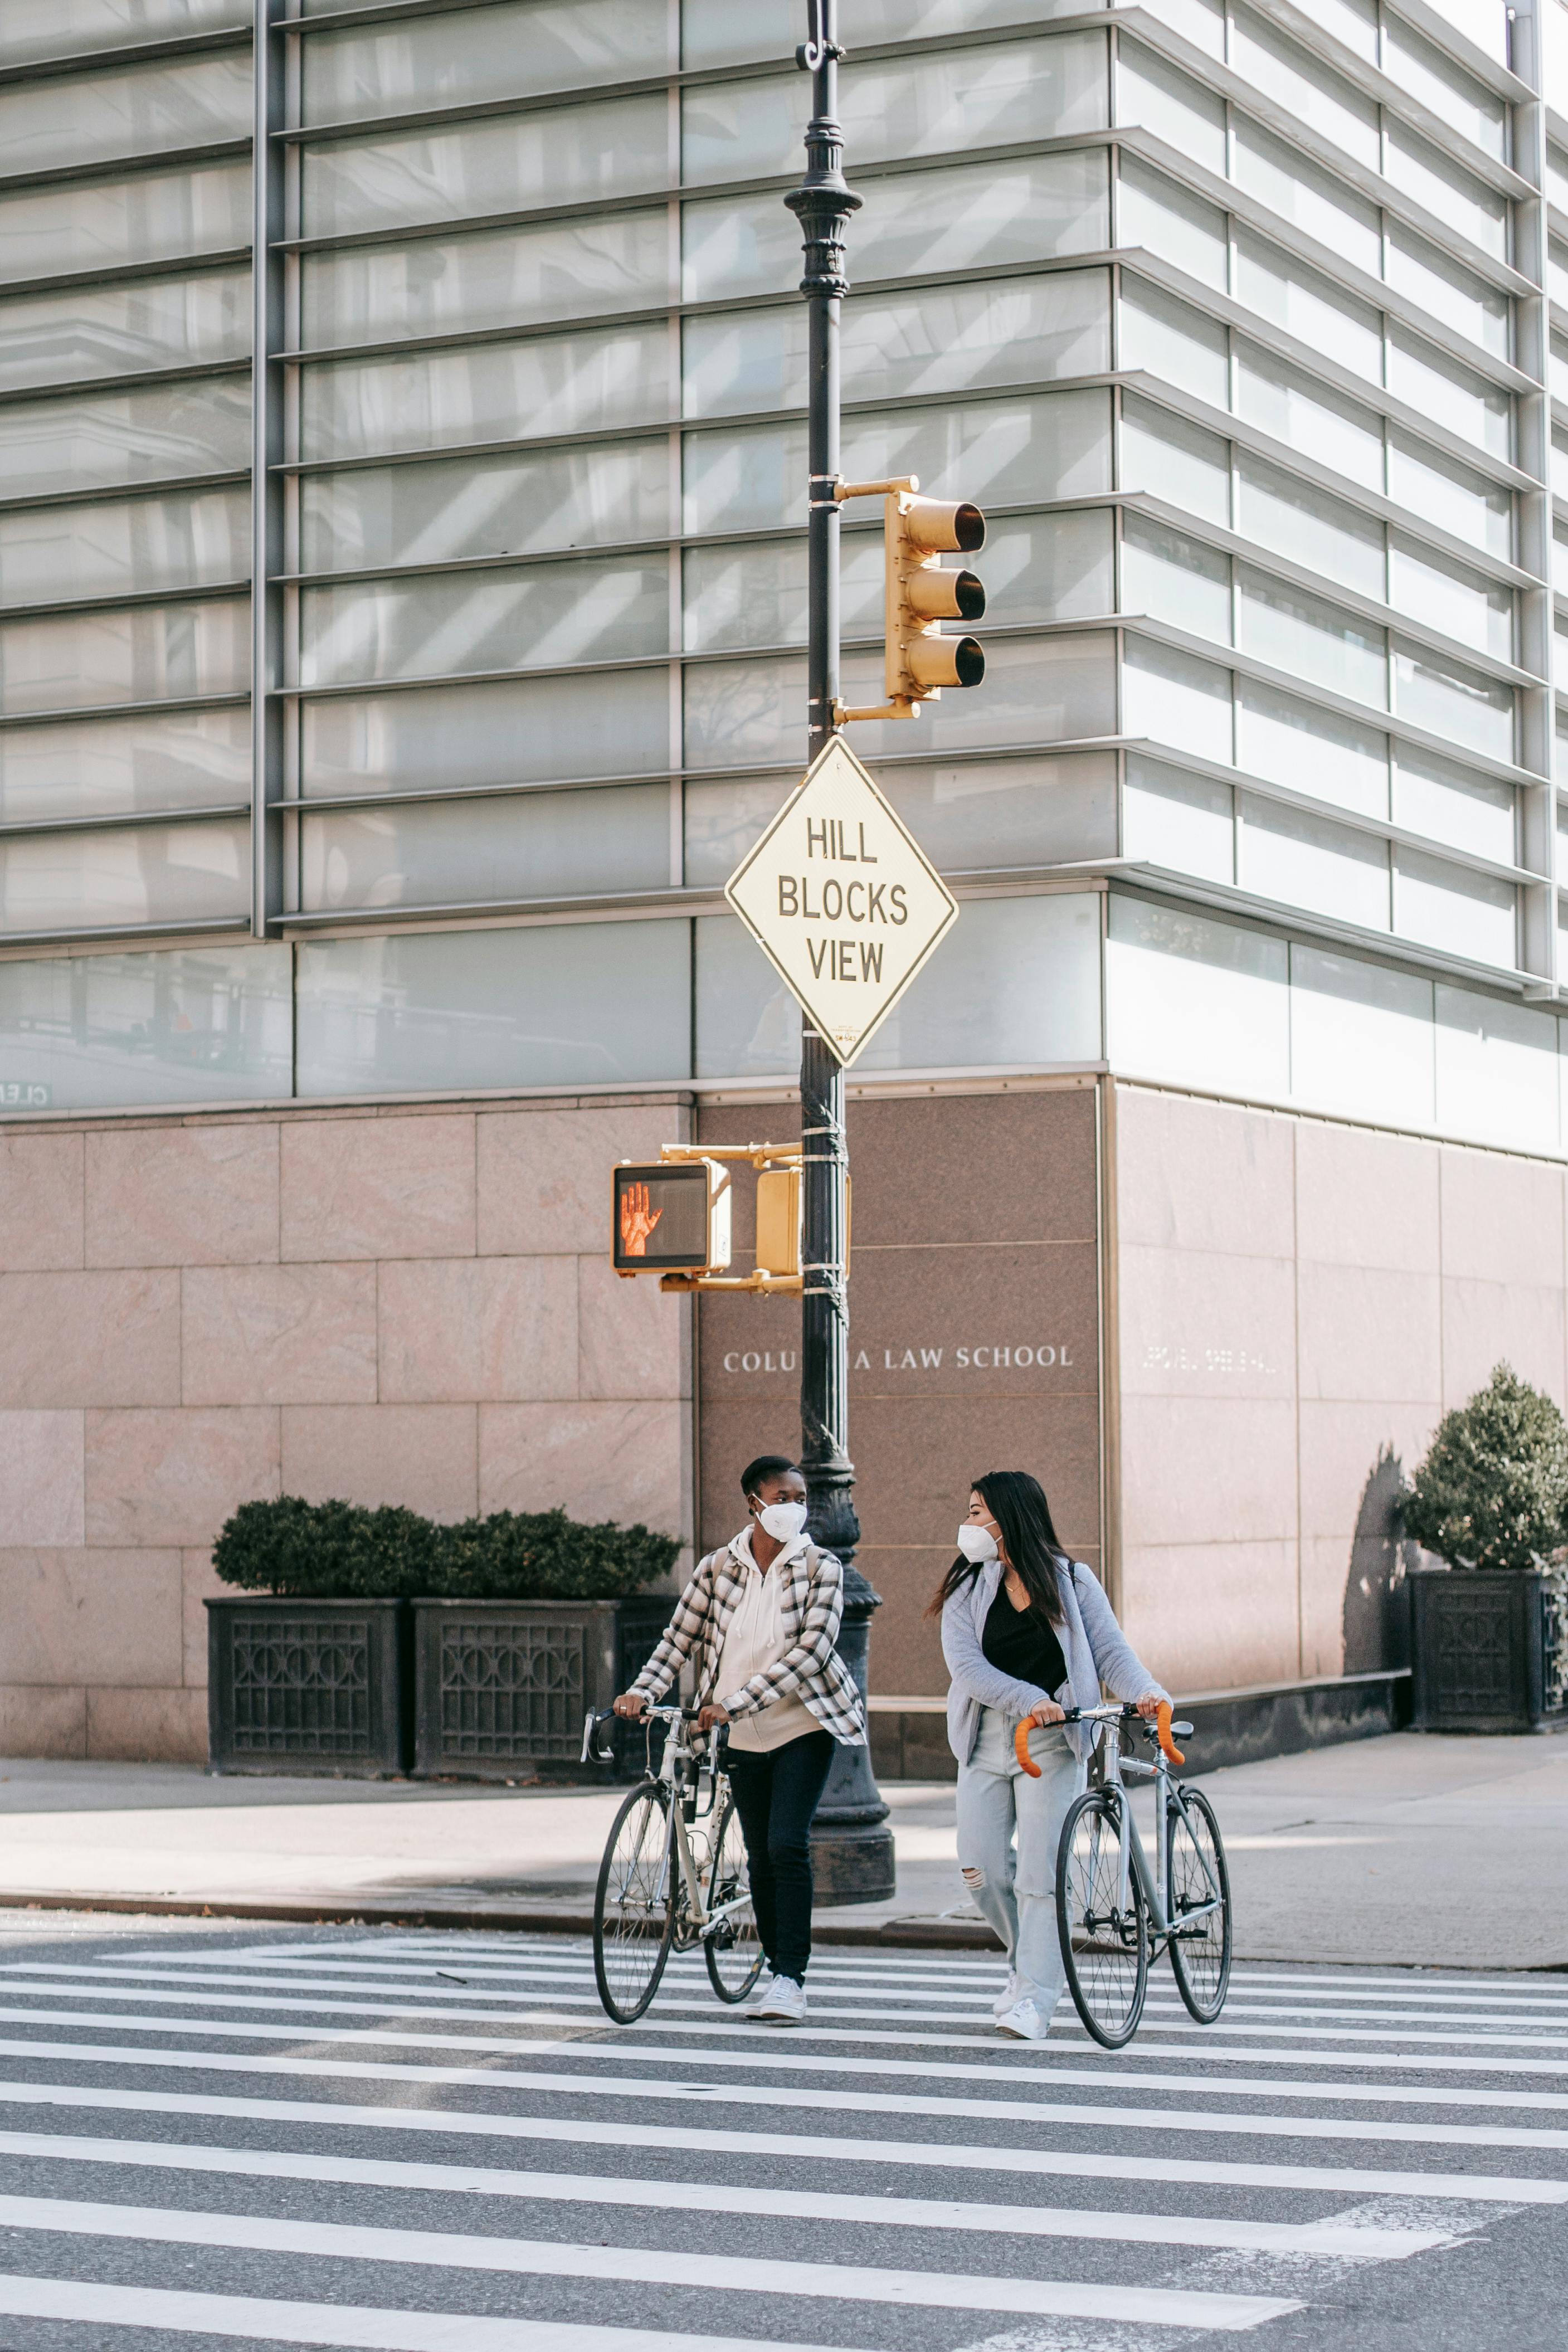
(996, 1798)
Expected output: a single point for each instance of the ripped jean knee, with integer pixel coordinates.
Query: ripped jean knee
(972, 1876)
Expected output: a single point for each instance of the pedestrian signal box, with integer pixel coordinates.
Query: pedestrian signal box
(670, 1217)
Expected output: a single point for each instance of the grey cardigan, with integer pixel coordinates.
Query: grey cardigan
(1095, 1647)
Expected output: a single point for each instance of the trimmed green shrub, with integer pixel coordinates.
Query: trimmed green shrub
(1493, 1490)
(333, 1551)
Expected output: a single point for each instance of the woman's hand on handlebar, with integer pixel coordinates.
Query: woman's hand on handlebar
(709, 1716)
(1046, 1712)
(630, 1704)
(1148, 1705)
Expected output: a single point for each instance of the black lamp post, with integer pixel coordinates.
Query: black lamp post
(852, 1845)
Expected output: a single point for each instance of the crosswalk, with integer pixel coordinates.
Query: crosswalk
(434, 2142)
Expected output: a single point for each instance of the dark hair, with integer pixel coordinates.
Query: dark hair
(1016, 1501)
(766, 1465)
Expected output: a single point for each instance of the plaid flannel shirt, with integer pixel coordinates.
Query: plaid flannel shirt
(811, 1603)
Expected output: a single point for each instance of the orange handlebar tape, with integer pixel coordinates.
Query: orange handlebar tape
(1162, 1725)
(1021, 1749)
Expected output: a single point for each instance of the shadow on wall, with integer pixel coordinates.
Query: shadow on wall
(1376, 1614)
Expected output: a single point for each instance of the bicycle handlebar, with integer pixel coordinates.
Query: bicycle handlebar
(1100, 1715)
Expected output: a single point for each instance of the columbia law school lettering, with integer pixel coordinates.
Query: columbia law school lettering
(364, 822)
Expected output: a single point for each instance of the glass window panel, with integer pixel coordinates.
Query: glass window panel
(148, 874)
(1476, 611)
(1037, 690)
(1153, 93)
(480, 53)
(1497, 1070)
(1296, 631)
(1307, 307)
(54, 28)
(152, 653)
(1308, 92)
(1294, 519)
(176, 758)
(1310, 750)
(542, 1007)
(538, 619)
(1156, 332)
(1193, 1001)
(1202, 22)
(499, 278)
(717, 33)
(1321, 207)
(1303, 861)
(1440, 388)
(1174, 460)
(1557, 272)
(1465, 203)
(429, 400)
(1451, 496)
(1154, 212)
(137, 110)
(149, 322)
(1557, 369)
(498, 506)
(974, 215)
(1171, 698)
(1361, 1038)
(517, 730)
(1465, 104)
(1467, 811)
(1175, 579)
(1475, 712)
(98, 225)
(1448, 291)
(1353, 22)
(1183, 822)
(1559, 467)
(1309, 417)
(940, 339)
(1557, 178)
(993, 96)
(541, 845)
(1465, 914)
(197, 1024)
(140, 436)
(180, 540)
(502, 165)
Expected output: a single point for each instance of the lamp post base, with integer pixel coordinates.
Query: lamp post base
(851, 1844)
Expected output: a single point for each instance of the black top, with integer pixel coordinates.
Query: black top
(1023, 1644)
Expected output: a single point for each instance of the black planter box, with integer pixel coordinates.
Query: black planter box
(501, 1687)
(317, 1686)
(1482, 1648)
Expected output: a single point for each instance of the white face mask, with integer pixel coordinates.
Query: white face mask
(977, 1543)
(784, 1521)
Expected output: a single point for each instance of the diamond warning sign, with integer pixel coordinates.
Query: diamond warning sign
(843, 900)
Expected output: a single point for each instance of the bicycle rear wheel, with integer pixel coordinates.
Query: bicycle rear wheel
(1104, 1939)
(1195, 1878)
(635, 1903)
(733, 1951)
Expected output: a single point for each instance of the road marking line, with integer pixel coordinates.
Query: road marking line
(1108, 2116)
(1328, 2238)
(958, 2157)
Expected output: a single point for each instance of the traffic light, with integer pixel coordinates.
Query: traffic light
(778, 1221)
(669, 1217)
(921, 592)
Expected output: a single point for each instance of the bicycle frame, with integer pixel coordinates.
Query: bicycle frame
(1168, 1793)
(680, 1769)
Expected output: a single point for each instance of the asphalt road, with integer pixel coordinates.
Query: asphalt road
(414, 2142)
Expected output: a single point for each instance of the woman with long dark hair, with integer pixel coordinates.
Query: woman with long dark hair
(1026, 1632)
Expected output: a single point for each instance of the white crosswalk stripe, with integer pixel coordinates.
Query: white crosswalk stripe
(439, 2144)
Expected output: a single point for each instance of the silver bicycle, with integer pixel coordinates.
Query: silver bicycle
(674, 1872)
(1113, 1913)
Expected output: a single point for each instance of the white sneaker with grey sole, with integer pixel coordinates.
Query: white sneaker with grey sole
(784, 2003)
(1024, 2021)
(1008, 1997)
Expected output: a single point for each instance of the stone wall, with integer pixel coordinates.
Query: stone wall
(1297, 1303)
(399, 1306)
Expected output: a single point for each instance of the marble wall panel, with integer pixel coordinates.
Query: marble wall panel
(41, 1479)
(198, 1581)
(156, 1727)
(1201, 1175)
(174, 1196)
(632, 1338)
(1199, 1323)
(423, 1456)
(1502, 1219)
(1213, 1615)
(92, 1617)
(1487, 1323)
(37, 1721)
(1207, 1469)
(455, 1330)
(86, 1339)
(545, 1175)
(382, 1187)
(171, 1478)
(40, 1202)
(1365, 1199)
(279, 1335)
(595, 1460)
(1368, 1332)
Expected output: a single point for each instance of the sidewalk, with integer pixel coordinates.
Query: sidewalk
(1401, 1851)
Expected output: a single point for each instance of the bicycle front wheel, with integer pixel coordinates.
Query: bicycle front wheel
(1197, 1882)
(635, 1905)
(733, 1950)
(1104, 1933)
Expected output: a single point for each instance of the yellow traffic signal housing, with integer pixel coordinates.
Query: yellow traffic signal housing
(921, 592)
(778, 1221)
(669, 1218)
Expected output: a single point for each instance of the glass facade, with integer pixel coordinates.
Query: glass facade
(488, 465)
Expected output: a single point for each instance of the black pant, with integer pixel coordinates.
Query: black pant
(776, 1793)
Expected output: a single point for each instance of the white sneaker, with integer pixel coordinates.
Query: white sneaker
(1008, 1997)
(754, 2006)
(784, 2003)
(1024, 2021)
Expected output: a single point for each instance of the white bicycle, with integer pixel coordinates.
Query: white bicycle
(673, 1874)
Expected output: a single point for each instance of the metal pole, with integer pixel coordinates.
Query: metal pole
(852, 1847)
